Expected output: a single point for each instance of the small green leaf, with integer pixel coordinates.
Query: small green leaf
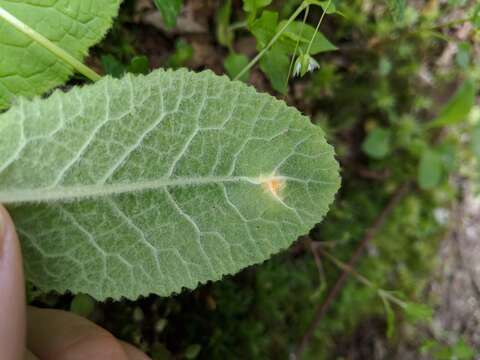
(418, 312)
(264, 28)
(458, 107)
(430, 169)
(377, 143)
(169, 10)
(327, 6)
(183, 53)
(112, 66)
(255, 5)
(275, 64)
(462, 351)
(397, 9)
(139, 65)
(222, 19)
(476, 17)
(463, 54)
(390, 315)
(301, 33)
(192, 351)
(82, 305)
(234, 63)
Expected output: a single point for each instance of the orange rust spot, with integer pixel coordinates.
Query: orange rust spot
(273, 186)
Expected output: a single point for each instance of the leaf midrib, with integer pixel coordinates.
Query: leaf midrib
(77, 192)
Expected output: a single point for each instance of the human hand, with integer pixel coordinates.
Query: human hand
(32, 333)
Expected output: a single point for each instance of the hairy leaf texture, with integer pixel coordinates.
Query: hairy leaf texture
(149, 184)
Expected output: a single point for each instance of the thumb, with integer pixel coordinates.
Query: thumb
(12, 291)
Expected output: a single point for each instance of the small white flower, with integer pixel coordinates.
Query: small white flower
(304, 63)
(313, 64)
(297, 67)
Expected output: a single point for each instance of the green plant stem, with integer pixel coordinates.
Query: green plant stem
(290, 67)
(302, 7)
(348, 269)
(322, 308)
(318, 27)
(450, 23)
(238, 25)
(47, 44)
(384, 294)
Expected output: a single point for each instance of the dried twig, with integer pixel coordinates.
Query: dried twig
(322, 309)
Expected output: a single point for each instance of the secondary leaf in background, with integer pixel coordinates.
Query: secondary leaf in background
(183, 53)
(275, 64)
(397, 9)
(155, 183)
(463, 54)
(139, 65)
(264, 28)
(418, 312)
(234, 63)
(253, 6)
(476, 17)
(429, 169)
(112, 66)
(377, 143)
(169, 10)
(302, 33)
(115, 68)
(458, 107)
(222, 19)
(27, 68)
(390, 317)
(328, 6)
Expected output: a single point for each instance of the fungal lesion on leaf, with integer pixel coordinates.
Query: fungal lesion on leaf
(273, 185)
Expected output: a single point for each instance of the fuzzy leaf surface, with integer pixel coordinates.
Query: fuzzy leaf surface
(27, 68)
(149, 184)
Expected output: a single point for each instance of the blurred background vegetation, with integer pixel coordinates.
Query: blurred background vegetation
(393, 84)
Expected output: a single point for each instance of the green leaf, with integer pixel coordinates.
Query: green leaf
(224, 33)
(27, 68)
(301, 33)
(264, 28)
(462, 351)
(390, 315)
(234, 63)
(152, 184)
(192, 351)
(139, 65)
(463, 54)
(458, 107)
(397, 9)
(183, 53)
(377, 143)
(429, 169)
(255, 5)
(327, 6)
(112, 66)
(275, 64)
(169, 10)
(82, 305)
(476, 17)
(418, 312)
